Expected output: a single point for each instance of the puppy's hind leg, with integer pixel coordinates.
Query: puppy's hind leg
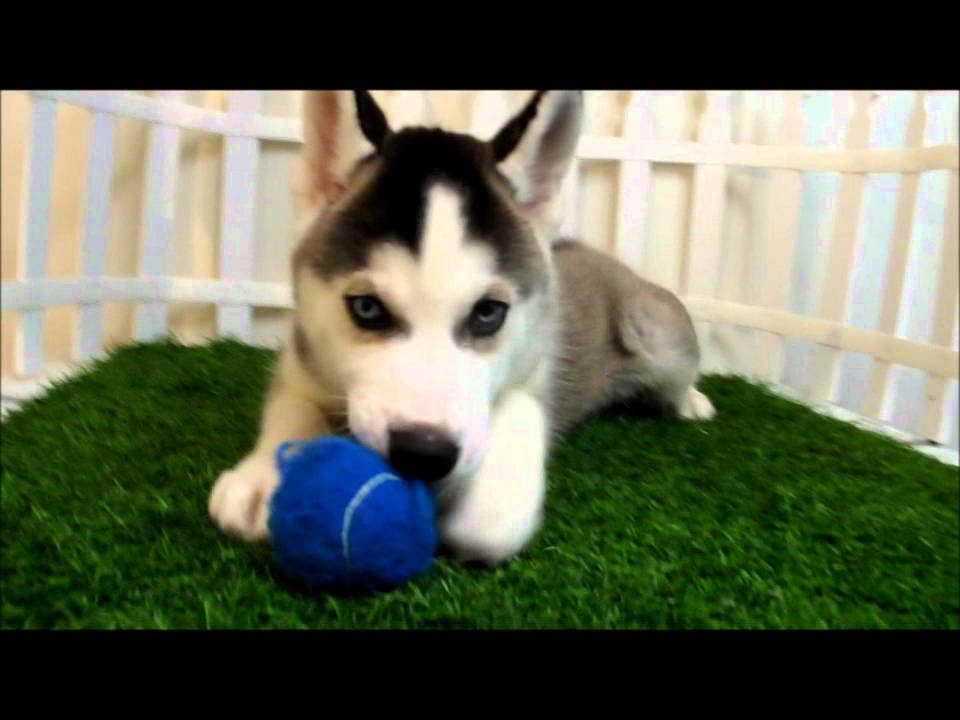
(677, 396)
(663, 352)
(694, 405)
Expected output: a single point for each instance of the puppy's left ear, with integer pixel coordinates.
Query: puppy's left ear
(373, 123)
(537, 145)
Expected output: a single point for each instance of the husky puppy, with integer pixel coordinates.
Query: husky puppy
(438, 322)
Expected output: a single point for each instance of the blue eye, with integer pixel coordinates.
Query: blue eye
(487, 317)
(368, 312)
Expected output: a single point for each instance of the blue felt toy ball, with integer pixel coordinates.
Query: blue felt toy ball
(341, 519)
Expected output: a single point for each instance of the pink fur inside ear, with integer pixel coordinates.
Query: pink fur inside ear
(320, 137)
(541, 191)
(534, 206)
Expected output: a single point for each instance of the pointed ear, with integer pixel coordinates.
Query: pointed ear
(373, 123)
(537, 146)
(337, 130)
(506, 141)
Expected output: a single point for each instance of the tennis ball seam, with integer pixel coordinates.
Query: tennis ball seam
(368, 487)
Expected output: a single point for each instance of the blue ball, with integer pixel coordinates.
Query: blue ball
(341, 519)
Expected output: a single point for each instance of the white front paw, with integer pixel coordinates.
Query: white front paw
(489, 536)
(239, 503)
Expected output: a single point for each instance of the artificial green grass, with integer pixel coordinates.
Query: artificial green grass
(771, 516)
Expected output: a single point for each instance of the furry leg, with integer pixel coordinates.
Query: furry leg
(501, 507)
(239, 500)
(696, 406)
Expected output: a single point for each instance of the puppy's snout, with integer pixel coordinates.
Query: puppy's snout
(426, 452)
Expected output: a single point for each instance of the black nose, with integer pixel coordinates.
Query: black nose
(423, 451)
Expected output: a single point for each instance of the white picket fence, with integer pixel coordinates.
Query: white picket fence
(846, 288)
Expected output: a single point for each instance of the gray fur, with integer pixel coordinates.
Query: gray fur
(619, 335)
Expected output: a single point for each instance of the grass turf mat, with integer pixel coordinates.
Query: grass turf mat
(771, 516)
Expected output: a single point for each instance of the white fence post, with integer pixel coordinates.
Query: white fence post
(839, 266)
(782, 218)
(702, 276)
(42, 147)
(240, 164)
(950, 434)
(709, 200)
(634, 185)
(158, 220)
(96, 230)
(933, 419)
(930, 239)
(570, 192)
(489, 112)
(878, 398)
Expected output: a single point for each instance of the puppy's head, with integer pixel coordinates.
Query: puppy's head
(422, 285)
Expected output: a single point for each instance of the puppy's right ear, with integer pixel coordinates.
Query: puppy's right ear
(339, 128)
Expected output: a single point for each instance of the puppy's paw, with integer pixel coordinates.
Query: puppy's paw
(239, 503)
(697, 406)
(488, 537)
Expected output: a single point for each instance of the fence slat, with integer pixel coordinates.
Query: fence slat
(40, 187)
(951, 424)
(187, 117)
(488, 113)
(927, 240)
(409, 107)
(878, 389)
(570, 192)
(664, 249)
(706, 212)
(783, 217)
(95, 229)
(932, 424)
(592, 147)
(241, 158)
(891, 112)
(934, 157)
(839, 267)
(160, 206)
(951, 431)
(26, 296)
(923, 356)
(701, 273)
(634, 183)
